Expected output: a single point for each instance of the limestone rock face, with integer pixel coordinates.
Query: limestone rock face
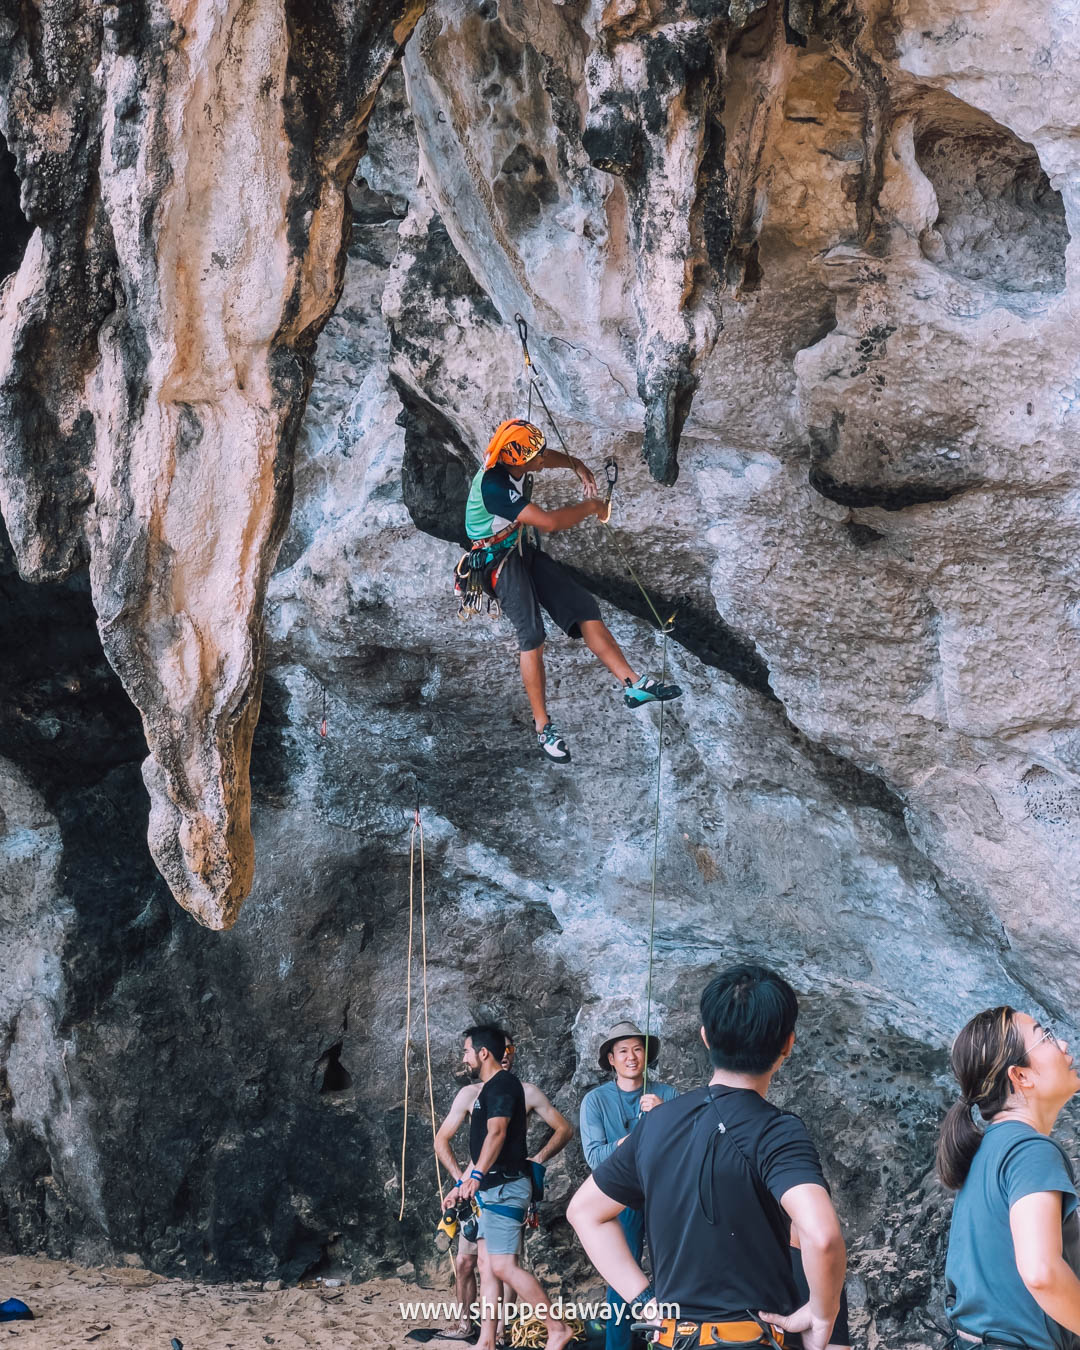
(185, 172)
(817, 258)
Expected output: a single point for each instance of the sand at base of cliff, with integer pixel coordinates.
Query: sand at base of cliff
(119, 1308)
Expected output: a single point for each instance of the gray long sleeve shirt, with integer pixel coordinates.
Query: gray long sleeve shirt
(608, 1113)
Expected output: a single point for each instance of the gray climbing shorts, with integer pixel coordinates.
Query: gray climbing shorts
(503, 1234)
(531, 579)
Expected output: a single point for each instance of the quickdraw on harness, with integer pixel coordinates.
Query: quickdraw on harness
(472, 567)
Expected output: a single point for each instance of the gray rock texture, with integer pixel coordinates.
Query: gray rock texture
(185, 175)
(807, 271)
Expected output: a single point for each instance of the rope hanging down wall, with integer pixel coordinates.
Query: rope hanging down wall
(417, 833)
(663, 626)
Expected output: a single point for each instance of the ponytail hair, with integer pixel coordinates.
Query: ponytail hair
(982, 1055)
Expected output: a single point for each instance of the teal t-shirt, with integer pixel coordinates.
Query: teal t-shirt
(496, 499)
(1013, 1160)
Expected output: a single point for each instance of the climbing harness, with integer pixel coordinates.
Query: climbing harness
(611, 470)
(683, 1334)
(417, 832)
(471, 567)
(515, 1212)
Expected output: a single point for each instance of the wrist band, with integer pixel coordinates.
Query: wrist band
(458, 1182)
(476, 1175)
(647, 1295)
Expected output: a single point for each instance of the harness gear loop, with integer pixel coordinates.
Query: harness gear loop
(471, 566)
(417, 831)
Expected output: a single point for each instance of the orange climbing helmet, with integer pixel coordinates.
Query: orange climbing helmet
(514, 442)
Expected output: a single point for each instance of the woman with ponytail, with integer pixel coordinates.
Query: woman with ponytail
(1014, 1244)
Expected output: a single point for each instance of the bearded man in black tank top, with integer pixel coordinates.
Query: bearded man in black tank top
(499, 1179)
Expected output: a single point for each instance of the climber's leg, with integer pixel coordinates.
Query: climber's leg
(597, 637)
(534, 679)
(516, 593)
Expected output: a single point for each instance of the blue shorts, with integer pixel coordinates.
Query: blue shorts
(501, 1233)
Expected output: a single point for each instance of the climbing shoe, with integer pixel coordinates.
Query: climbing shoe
(649, 690)
(552, 744)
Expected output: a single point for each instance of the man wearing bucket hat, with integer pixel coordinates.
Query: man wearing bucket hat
(524, 580)
(608, 1114)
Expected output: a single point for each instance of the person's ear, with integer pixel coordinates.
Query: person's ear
(789, 1045)
(1020, 1077)
(705, 1040)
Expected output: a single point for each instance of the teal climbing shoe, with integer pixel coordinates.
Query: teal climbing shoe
(551, 743)
(649, 690)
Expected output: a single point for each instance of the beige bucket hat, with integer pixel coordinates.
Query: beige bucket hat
(619, 1032)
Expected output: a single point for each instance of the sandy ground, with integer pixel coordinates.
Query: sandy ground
(131, 1309)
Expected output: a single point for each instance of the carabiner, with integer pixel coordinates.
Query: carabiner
(523, 334)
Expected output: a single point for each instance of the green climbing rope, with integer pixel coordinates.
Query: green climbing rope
(664, 627)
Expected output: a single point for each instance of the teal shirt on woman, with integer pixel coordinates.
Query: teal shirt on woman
(986, 1295)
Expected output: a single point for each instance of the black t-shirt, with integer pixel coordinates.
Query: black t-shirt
(719, 1239)
(501, 1095)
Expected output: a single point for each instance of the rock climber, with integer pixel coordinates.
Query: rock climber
(608, 1115)
(721, 1176)
(466, 1106)
(524, 580)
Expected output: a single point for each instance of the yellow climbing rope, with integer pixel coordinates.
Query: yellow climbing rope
(664, 627)
(531, 1333)
(417, 831)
